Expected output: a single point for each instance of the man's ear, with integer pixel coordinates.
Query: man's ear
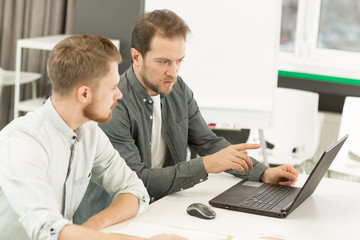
(135, 56)
(83, 94)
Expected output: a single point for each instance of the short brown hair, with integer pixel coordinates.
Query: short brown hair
(80, 59)
(163, 22)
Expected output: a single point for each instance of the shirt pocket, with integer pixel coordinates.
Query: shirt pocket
(80, 189)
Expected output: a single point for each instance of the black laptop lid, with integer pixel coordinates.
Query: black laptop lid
(317, 173)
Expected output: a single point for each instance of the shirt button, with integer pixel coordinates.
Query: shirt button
(201, 180)
(150, 101)
(151, 117)
(74, 137)
(144, 100)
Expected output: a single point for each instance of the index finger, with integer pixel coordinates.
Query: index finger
(245, 146)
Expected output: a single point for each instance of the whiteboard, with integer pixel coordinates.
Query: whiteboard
(231, 56)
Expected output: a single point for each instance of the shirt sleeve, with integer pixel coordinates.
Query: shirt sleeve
(24, 183)
(112, 173)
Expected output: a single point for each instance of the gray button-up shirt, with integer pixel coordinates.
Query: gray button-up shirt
(45, 168)
(182, 126)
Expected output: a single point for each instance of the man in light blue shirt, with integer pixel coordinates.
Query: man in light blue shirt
(48, 157)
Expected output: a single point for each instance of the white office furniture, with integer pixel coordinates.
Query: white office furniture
(295, 128)
(332, 212)
(40, 43)
(7, 78)
(348, 160)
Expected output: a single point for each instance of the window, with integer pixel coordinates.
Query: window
(339, 26)
(288, 25)
(321, 37)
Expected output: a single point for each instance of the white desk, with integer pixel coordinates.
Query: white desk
(40, 43)
(332, 212)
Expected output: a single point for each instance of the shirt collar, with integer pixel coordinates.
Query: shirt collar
(136, 85)
(59, 123)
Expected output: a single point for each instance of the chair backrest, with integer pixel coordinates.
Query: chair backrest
(348, 159)
(350, 124)
(294, 130)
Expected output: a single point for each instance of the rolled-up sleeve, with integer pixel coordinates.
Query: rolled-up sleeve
(52, 230)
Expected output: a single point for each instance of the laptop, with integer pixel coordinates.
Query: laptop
(272, 199)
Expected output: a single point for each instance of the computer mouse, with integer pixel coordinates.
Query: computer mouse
(201, 211)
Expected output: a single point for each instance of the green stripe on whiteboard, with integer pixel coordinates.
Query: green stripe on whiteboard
(319, 77)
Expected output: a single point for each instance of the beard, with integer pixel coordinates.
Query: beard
(156, 87)
(90, 112)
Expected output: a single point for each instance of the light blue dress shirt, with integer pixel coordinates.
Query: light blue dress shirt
(45, 168)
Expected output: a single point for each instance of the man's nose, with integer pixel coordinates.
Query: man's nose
(173, 70)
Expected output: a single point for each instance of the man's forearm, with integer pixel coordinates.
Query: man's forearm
(122, 207)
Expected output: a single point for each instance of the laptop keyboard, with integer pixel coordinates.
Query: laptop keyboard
(267, 197)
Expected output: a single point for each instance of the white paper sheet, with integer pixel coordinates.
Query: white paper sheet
(148, 230)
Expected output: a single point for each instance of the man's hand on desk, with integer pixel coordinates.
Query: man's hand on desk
(233, 157)
(283, 175)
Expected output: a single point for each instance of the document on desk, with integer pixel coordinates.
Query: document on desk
(147, 230)
(272, 237)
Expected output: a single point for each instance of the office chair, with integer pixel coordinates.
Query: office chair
(294, 133)
(347, 163)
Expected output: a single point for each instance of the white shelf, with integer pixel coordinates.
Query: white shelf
(31, 104)
(49, 42)
(41, 43)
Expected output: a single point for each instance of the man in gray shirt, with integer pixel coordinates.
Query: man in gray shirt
(158, 119)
